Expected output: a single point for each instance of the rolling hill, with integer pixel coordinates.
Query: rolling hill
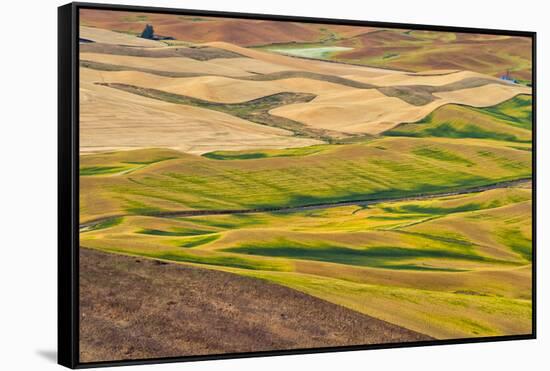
(411, 50)
(509, 121)
(458, 253)
(381, 176)
(348, 102)
(205, 29)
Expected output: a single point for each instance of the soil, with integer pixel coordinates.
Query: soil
(136, 308)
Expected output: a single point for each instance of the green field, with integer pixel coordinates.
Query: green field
(320, 52)
(452, 252)
(508, 121)
(299, 186)
(380, 168)
(391, 226)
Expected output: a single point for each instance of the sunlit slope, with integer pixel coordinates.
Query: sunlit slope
(218, 89)
(381, 168)
(112, 119)
(482, 96)
(348, 100)
(170, 64)
(510, 120)
(342, 102)
(203, 151)
(447, 267)
(333, 106)
(372, 112)
(430, 78)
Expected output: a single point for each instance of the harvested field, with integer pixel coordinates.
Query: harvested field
(381, 113)
(312, 76)
(194, 311)
(420, 95)
(197, 53)
(482, 96)
(169, 64)
(354, 83)
(256, 110)
(186, 128)
(345, 106)
(217, 89)
(115, 67)
(292, 63)
(339, 111)
(431, 78)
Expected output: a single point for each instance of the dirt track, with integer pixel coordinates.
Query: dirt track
(134, 308)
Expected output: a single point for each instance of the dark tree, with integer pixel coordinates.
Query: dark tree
(148, 32)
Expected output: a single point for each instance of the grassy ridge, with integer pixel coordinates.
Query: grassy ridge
(387, 167)
(508, 121)
(380, 256)
(247, 155)
(455, 266)
(442, 315)
(452, 252)
(98, 170)
(449, 267)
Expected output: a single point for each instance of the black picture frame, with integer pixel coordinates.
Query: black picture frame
(68, 182)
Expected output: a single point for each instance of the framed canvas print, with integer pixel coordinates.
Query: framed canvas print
(237, 185)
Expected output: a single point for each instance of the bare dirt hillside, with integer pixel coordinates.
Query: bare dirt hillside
(194, 311)
(202, 29)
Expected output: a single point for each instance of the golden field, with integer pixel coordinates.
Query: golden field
(342, 162)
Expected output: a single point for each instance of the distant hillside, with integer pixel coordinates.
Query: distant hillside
(407, 50)
(206, 29)
(426, 50)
